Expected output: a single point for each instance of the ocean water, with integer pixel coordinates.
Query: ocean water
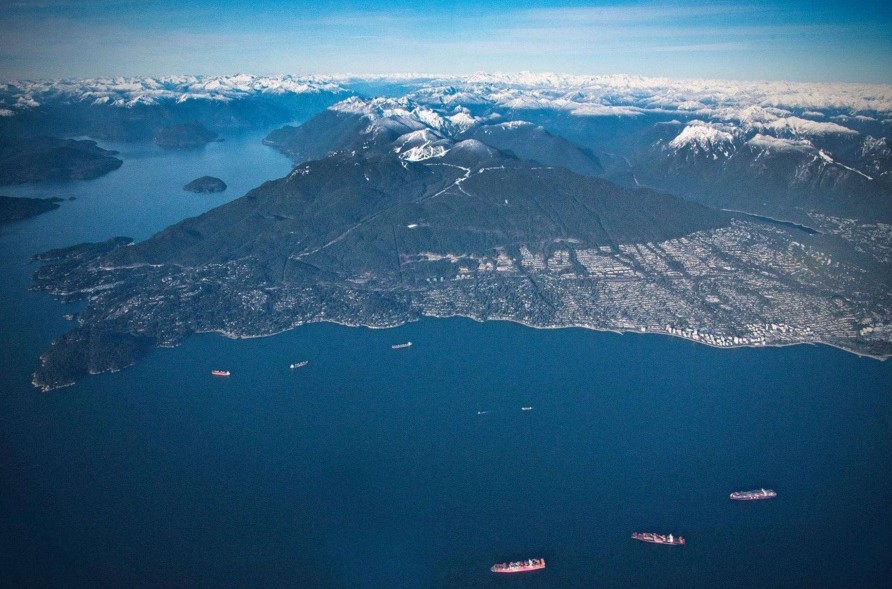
(374, 467)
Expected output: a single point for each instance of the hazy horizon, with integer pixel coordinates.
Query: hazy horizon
(751, 40)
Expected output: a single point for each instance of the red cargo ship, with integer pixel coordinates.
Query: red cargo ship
(520, 566)
(659, 538)
(753, 495)
(220, 372)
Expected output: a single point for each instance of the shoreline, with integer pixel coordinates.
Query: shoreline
(236, 336)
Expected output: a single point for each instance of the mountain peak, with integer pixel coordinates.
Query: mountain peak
(701, 138)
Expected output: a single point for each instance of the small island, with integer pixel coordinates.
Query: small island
(205, 184)
(16, 209)
(185, 136)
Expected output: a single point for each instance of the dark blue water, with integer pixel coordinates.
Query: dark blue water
(372, 468)
(787, 224)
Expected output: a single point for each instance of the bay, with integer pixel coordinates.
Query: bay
(374, 467)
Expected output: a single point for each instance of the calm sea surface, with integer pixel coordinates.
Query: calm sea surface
(374, 467)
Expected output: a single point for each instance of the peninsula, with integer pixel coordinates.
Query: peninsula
(402, 219)
(16, 209)
(37, 159)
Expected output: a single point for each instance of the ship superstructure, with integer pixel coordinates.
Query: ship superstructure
(659, 538)
(753, 495)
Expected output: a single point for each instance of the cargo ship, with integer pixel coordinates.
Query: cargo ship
(220, 372)
(520, 566)
(659, 538)
(401, 346)
(753, 495)
(300, 364)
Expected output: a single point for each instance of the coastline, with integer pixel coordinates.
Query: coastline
(398, 323)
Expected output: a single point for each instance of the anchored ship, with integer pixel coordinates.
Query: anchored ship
(300, 364)
(753, 495)
(520, 566)
(401, 346)
(659, 538)
(220, 372)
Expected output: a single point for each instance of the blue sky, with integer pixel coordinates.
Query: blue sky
(797, 40)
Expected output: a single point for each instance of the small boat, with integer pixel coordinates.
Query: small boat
(520, 566)
(220, 372)
(401, 346)
(300, 364)
(526, 408)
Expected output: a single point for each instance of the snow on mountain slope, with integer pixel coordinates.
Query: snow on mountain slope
(701, 138)
(768, 143)
(393, 113)
(876, 147)
(423, 152)
(421, 145)
(798, 127)
(829, 159)
(462, 120)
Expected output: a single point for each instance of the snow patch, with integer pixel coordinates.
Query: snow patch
(875, 147)
(797, 127)
(473, 147)
(827, 158)
(511, 125)
(423, 152)
(769, 143)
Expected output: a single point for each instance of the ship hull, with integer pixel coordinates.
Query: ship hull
(525, 566)
(753, 495)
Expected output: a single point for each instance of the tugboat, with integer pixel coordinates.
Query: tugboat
(519, 566)
(659, 538)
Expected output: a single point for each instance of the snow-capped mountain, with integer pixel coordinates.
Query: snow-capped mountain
(698, 137)
(778, 169)
(419, 132)
(745, 102)
(129, 92)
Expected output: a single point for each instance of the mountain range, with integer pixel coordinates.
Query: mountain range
(811, 148)
(730, 213)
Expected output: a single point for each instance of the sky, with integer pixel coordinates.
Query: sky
(796, 40)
